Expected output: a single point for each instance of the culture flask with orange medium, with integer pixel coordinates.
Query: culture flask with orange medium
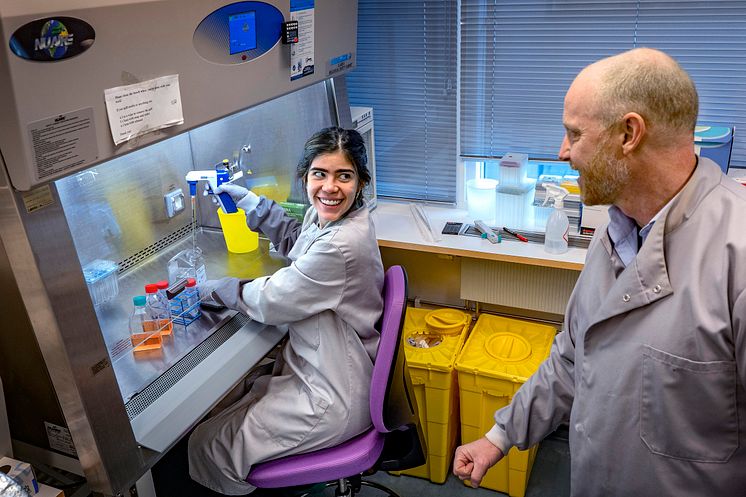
(144, 332)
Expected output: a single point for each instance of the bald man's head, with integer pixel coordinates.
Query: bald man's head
(645, 81)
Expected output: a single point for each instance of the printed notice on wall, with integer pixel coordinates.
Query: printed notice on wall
(301, 53)
(63, 142)
(140, 108)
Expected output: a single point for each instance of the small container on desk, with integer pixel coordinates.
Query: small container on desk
(514, 204)
(513, 170)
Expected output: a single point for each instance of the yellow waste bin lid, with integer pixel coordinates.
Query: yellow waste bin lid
(448, 321)
(503, 348)
(434, 347)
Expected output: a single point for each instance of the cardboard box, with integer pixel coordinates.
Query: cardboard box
(593, 217)
(22, 472)
(47, 491)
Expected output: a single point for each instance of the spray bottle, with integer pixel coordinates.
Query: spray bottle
(558, 226)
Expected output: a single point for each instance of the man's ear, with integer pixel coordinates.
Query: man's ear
(634, 130)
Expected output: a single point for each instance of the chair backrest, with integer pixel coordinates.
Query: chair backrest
(385, 384)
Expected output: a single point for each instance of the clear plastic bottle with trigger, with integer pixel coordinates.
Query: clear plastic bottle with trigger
(161, 316)
(558, 226)
(144, 333)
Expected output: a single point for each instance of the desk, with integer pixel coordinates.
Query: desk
(512, 274)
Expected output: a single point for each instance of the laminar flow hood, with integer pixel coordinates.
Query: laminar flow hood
(192, 62)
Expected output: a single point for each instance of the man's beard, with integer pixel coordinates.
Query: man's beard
(604, 177)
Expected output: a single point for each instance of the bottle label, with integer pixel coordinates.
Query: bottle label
(201, 275)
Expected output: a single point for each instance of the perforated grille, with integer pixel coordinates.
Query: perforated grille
(172, 375)
(148, 251)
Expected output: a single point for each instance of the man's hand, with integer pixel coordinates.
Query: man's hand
(473, 460)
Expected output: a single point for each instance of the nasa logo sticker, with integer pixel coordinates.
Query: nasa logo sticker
(52, 39)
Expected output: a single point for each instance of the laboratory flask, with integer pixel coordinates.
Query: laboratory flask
(188, 263)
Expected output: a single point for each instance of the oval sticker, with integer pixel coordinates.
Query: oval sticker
(52, 39)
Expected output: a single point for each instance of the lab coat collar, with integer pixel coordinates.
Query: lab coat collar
(646, 279)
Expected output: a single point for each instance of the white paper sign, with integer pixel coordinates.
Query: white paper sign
(140, 108)
(302, 53)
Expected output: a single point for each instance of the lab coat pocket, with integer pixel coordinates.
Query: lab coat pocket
(288, 415)
(688, 408)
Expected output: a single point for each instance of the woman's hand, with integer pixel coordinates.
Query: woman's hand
(245, 199)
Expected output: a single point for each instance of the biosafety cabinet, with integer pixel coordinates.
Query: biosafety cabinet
(106, 106)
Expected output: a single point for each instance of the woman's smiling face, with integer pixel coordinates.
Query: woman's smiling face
(332, 185)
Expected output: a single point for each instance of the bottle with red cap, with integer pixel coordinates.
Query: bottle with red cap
(161, 312)
(191, 296)
(165, 303)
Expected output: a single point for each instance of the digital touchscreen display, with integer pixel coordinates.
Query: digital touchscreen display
(242, 31)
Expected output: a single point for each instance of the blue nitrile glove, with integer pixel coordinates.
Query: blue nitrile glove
(245, 199)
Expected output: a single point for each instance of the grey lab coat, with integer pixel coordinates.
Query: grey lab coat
(651, 368)
(317, 396)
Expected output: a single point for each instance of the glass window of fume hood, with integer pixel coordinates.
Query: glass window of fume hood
(117, 213)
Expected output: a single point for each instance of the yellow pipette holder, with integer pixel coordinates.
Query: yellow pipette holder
(239, 239)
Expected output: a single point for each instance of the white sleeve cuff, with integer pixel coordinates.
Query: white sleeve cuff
(498, 439)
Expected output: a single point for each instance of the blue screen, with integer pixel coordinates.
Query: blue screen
(242, 31)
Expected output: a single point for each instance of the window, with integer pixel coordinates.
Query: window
(517, 59)
(406, 71)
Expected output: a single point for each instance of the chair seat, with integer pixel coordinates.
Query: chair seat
(349, 458)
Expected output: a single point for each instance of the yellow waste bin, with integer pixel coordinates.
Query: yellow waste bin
(432, 339)
(496, 360)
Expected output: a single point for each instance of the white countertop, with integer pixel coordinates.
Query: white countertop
(396, 228)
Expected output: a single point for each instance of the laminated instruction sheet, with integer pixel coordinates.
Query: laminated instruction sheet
(301, 53)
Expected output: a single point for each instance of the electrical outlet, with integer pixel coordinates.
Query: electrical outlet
(174, 202)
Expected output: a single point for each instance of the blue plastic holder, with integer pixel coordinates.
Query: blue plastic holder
(181, 312)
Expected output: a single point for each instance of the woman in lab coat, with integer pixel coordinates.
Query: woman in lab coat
(330, 298)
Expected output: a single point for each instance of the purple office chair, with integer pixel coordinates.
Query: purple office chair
(395, 440)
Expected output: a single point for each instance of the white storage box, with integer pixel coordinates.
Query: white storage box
(102, 280)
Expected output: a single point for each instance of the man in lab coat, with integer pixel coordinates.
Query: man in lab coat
(650, 370)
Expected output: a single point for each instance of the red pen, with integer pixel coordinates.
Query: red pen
(519, 236)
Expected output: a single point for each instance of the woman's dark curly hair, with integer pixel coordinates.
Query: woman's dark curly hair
(331, 140)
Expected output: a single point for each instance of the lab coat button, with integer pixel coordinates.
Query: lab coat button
(626, 297)
(657, 289)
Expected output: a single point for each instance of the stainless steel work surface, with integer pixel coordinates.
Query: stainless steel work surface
(136, 370)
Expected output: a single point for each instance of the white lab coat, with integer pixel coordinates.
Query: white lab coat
(651, 368)
(317, 396)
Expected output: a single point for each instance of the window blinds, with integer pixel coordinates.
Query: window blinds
(517, 59)
(406, 71)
